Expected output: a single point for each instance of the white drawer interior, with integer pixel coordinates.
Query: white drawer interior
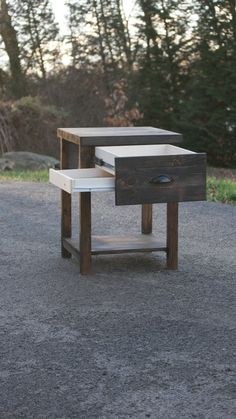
(108, 154)
(82, 180)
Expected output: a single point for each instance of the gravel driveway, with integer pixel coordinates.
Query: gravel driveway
(133, 340)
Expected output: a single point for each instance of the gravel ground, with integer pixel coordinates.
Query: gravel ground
(133, 340)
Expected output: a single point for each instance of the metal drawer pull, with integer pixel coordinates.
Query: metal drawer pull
(161, 179)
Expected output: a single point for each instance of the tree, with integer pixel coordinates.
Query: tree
(34, 21)
(10, 40)
(210, 106)
(77, 19)
(162, 60)
(98, 30)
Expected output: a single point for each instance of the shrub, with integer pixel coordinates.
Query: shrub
(36, 126)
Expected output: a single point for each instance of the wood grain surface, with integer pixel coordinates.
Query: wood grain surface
(146, 220)
(86, 160)
(118, 244)
(172, 235)
(106, 136)
(134, 177)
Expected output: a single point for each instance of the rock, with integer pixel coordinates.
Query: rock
(25, 160)
(6, 164)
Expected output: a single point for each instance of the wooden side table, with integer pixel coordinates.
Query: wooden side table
(78, 151)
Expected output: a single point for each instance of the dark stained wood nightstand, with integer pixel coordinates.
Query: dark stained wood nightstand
(151, 171)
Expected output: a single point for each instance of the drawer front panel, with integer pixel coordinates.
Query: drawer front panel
(155, 179)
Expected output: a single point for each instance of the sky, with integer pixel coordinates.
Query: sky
(60, 12)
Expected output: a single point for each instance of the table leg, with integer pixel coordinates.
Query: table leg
(85, 233)
(65, 200)
(172, 235)
(147, 218)
(86, 161)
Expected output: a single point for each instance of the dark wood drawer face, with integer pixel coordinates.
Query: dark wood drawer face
(155, 179)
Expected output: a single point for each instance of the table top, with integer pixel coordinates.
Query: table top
(109, 136)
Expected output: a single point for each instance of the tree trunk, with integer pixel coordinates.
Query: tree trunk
(100, 38)
(106, 34)
(9, 38)
(36, 41)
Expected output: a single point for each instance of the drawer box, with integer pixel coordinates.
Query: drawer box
(82, 180)
(140, 174)
(154, 173)
(107, 155)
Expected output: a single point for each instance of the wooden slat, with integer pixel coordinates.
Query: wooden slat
(125, 244)
(73, 156)
(106, 136)
(118, 244)
(87, 157)
(172, 235)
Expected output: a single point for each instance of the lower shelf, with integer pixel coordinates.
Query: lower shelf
(117, 244)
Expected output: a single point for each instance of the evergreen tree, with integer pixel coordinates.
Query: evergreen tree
(162, 60)
(98, 30)
(35, 24)
(77, 21)
(209, 111)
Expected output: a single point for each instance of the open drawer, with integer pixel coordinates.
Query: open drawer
(154, 173)
(82, 180)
